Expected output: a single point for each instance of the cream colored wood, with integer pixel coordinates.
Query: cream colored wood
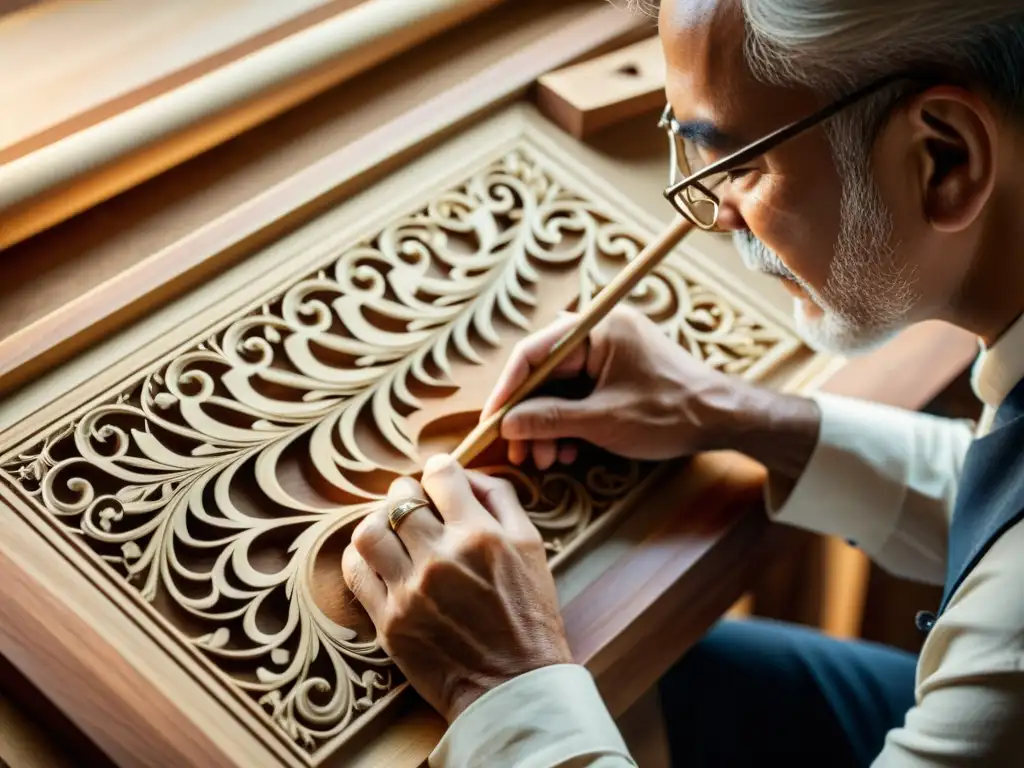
(819, 369)
(209, 479)
(48, 556)
(591, 314)
(67, 176)
(632, 158)
(73, 56)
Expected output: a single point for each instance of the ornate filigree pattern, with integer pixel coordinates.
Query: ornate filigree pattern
(213, 481)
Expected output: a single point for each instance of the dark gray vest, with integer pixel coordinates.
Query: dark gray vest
(990, 494)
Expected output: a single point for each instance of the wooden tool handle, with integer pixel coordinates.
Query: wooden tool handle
(486, 432)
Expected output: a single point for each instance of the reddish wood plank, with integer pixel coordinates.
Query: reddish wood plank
(106, 697)
(909, 371)
(631, 624)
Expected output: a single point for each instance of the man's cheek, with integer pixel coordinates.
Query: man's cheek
(804, 244)
(809, 273)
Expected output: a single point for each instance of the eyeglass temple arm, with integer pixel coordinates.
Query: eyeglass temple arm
(786, 132)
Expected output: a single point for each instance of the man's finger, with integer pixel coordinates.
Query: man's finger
(419, 529)
(527, 355)
(567, 452)
(545, 454)
(553, 418)
(499, 498)
(448, 487)
(518, 450)
(365, 584)
(381, 548)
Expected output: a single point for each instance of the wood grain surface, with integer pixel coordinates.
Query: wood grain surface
(68, 315)
(677, 577)
(90, 158)
(36, 734)
(107, 57)
(556, 192)
(587, 97)
(59, 651)
(668, 571)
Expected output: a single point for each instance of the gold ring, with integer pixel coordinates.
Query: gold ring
(400, 511)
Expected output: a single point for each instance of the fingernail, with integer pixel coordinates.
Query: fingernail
(404, 486)
(439, 462)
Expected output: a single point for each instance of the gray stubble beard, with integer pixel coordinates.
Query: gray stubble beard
(868, 296)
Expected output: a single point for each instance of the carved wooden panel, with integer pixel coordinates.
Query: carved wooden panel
(220, 479)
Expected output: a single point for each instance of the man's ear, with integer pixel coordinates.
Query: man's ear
(954, 139)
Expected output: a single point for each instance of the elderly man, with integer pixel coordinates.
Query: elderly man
(870, 154)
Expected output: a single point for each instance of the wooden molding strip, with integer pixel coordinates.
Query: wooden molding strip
(87, 688)
(38, 133)
(106, 157)
(24, 354)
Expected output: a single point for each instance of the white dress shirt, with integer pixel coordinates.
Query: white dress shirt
(885, 479)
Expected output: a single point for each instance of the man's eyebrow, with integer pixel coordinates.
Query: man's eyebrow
(707, 135)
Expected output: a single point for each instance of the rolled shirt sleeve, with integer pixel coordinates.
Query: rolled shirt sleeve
(549, 718)
(883, 478)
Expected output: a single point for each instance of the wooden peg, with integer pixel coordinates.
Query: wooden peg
(586, 97)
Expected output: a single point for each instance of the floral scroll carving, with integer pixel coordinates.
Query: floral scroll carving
(211, 481)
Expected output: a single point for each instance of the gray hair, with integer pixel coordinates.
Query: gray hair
(833, 46)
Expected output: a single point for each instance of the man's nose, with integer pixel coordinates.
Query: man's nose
(729, 217)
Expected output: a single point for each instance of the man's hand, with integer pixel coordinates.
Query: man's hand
(651, 400)
(462, 603)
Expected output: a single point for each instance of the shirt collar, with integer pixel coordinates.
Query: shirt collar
(1000, 367)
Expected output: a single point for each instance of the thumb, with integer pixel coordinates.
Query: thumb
(553, 418)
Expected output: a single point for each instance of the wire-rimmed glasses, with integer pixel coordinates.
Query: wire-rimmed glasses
(692, 181)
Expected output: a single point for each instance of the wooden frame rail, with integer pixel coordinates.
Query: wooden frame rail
(92, 157)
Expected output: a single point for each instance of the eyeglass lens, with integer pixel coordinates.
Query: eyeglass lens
(696, 199)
